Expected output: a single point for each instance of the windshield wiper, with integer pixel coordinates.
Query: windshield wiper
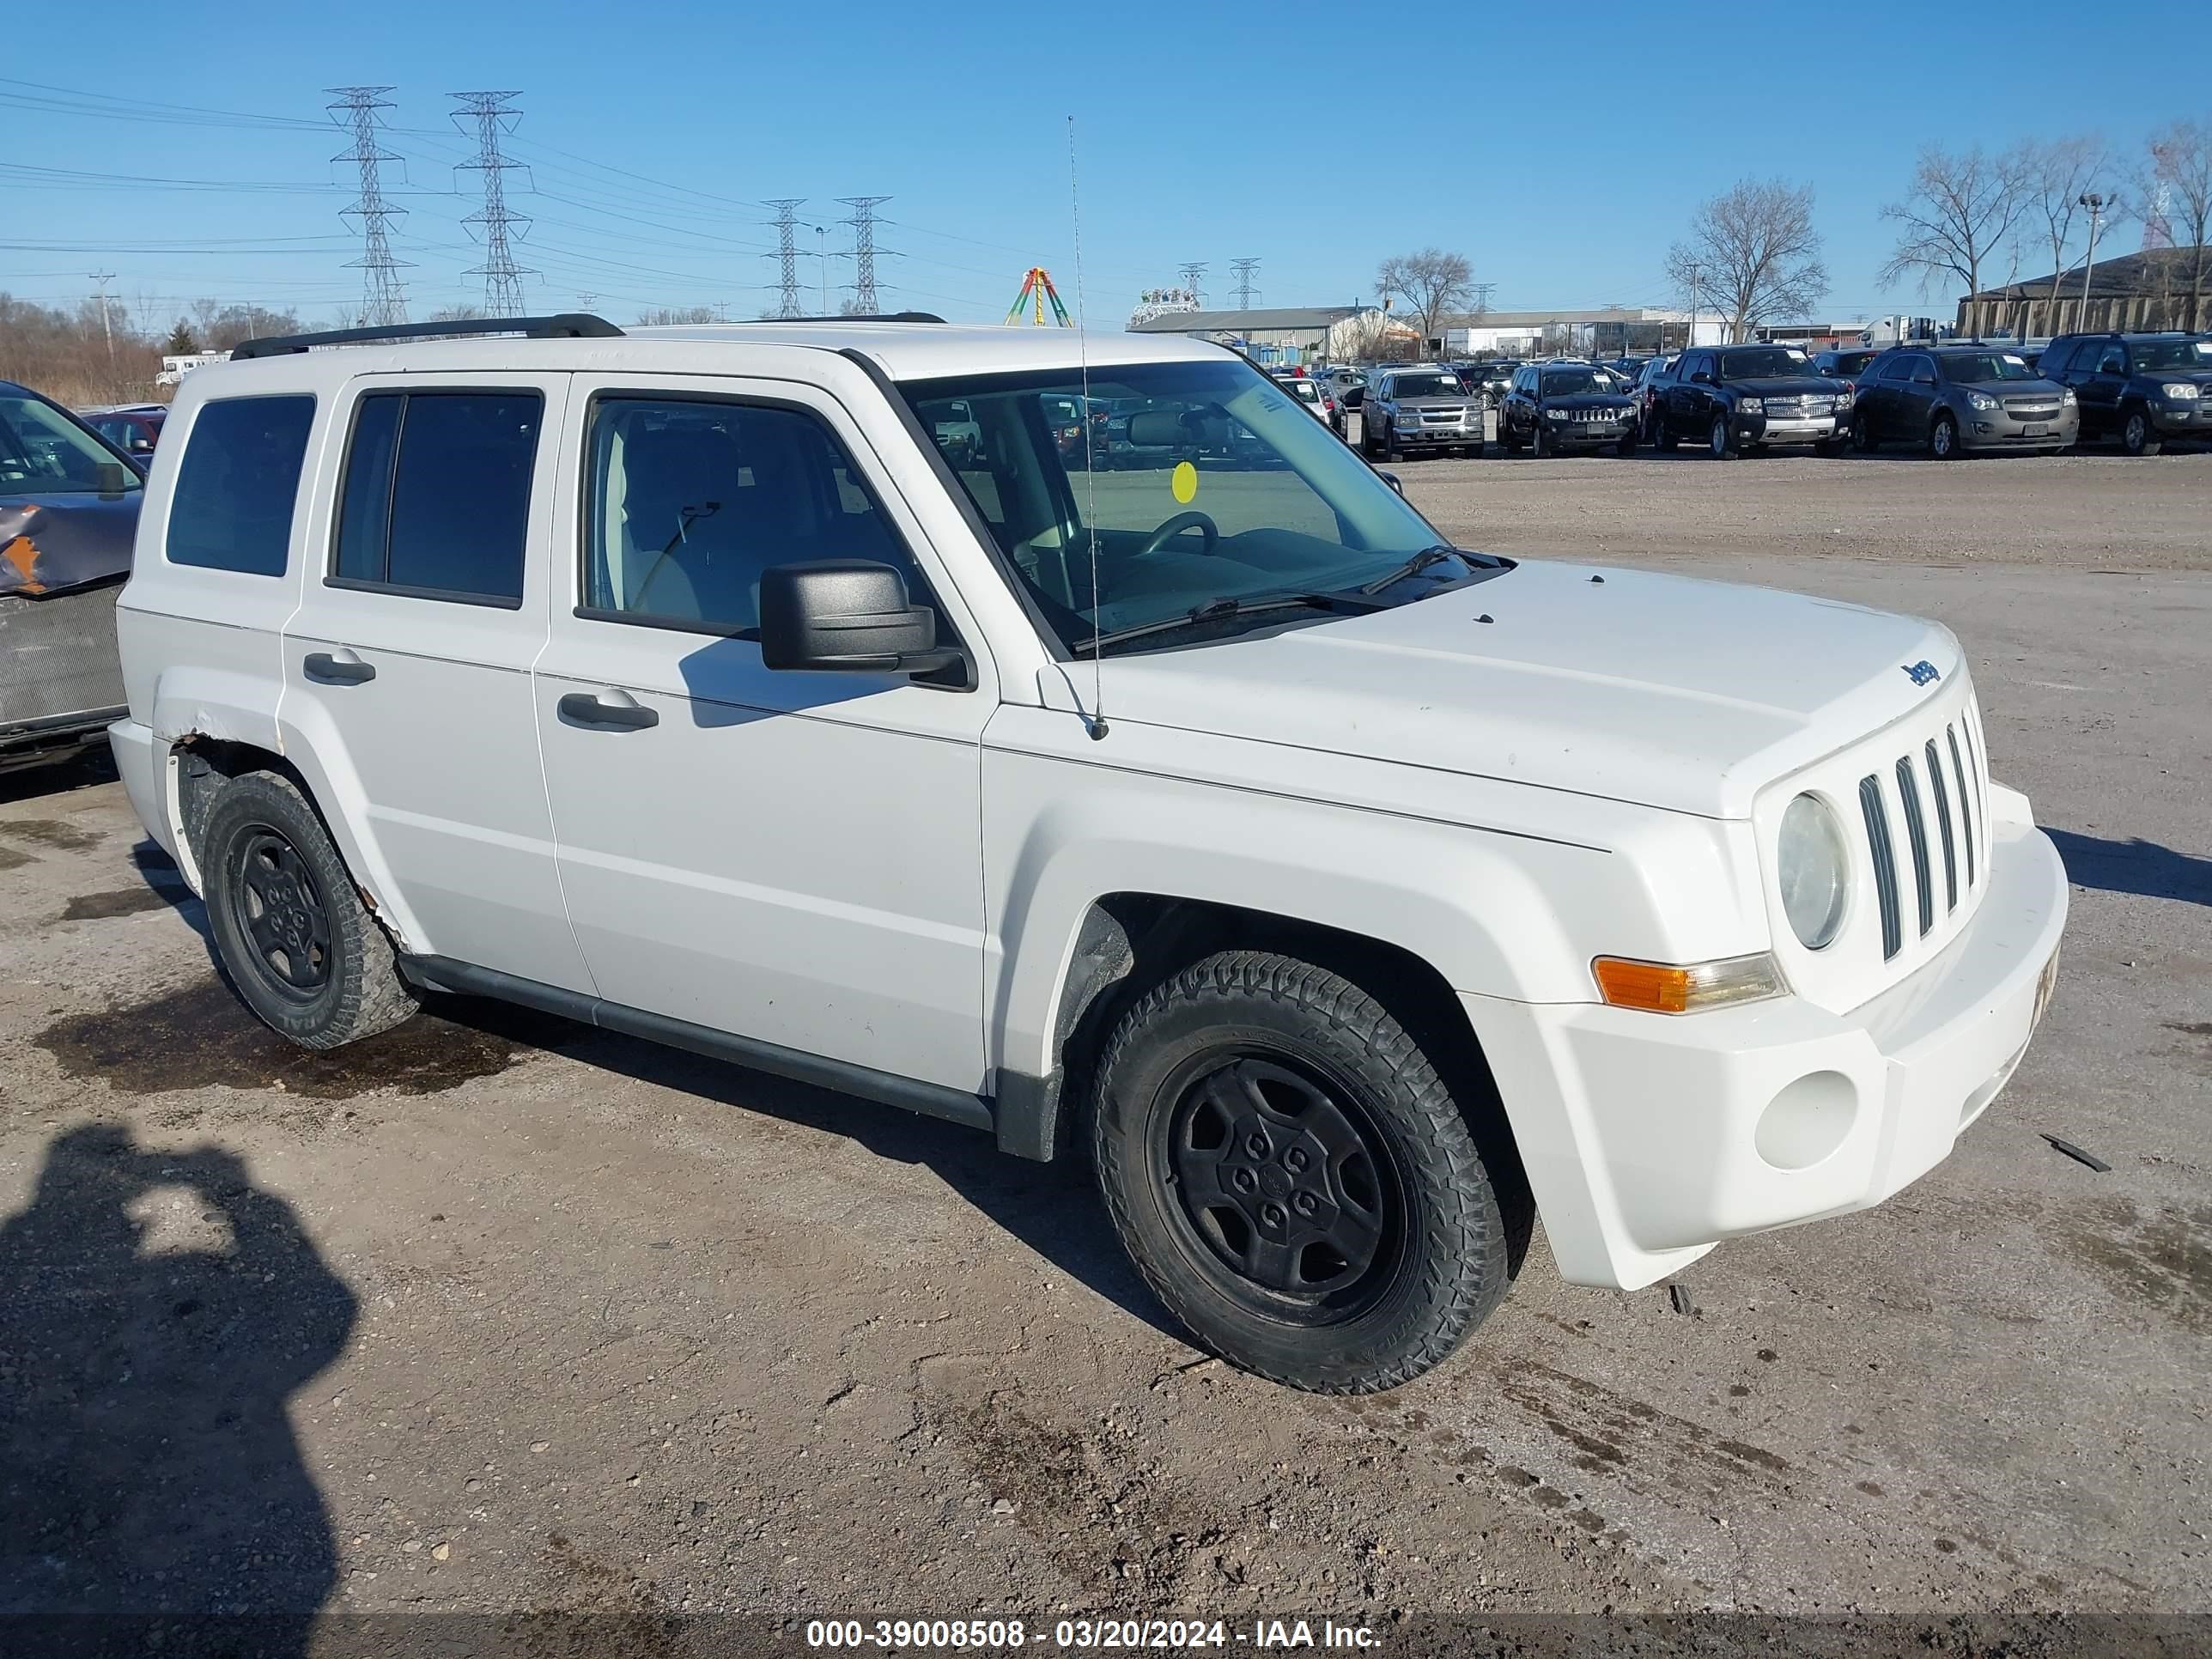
(1428, 556)
(1223, 609)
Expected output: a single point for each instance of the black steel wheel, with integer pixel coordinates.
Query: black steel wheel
(288, 924)
(1292, 1176)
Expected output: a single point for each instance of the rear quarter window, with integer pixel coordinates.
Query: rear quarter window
(235, 490)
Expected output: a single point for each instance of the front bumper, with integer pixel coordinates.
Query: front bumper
(2000, 430)
(1791, 428)
(2182, 420)
(1452, 436)
(1648, 1140)
(1570, 433)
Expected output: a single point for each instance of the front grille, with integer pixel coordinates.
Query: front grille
(1916, 777)
(2023, 410)
(1598, 413)
(1800, 405)
(58, 655)
(1442, 416)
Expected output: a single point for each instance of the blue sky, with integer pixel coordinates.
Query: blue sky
(1546, 144)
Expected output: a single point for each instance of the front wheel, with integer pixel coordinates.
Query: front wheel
(1720, 441)
(1626, 448)
(288, 924)
(1293, 1178)
(1863, 438)
(1943, 439)
(1539, 445)
(2137, 436)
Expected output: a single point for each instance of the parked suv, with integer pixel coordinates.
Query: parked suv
(1420, 410)
(2140, 388)
(1555, 406)
(1846, 364)
(1733, 398)
(1955, 399)
(1348, 896)
(69, 513)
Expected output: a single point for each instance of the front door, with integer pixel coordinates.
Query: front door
(407, 664)
(795, 858)
(2097, 392)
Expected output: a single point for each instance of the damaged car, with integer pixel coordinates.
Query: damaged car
(69, 512)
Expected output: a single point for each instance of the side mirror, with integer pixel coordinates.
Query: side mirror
(845, 615)
(1392, 479)
(112, 477)
(1701, 378)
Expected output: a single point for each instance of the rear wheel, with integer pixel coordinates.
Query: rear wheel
(2137, 436)
(1654, 431)
(1293, 1179)
(288, 924)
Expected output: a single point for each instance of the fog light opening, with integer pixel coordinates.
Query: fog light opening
(1808, 1121)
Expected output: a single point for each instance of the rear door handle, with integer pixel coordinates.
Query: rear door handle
(584, 709)
(346, 670)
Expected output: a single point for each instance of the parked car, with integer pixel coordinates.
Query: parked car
(68, 511)
(959, 436)
(1420, 410)
(1350, 897)
(1953, 400)
(1318, 402)
(134, 429)
(1494, 379)
(2143, 389)
(1845, 363)
(1559, 406)
(1747, 397)
(1640, 389)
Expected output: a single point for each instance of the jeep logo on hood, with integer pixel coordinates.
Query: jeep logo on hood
(1924, 672)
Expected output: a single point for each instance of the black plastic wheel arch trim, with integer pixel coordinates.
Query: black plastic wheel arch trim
(929, 1099)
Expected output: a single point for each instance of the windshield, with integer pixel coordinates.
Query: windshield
(1213, 484)
(1427, 385)
(1578, 383)
(2172, 354)
(1764, 363)
(1972, 367)
(41, 448)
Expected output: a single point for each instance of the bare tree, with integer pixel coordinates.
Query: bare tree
(1431, 282)
(457, 313)
(1755, 251)
(2057, 175)
(664, 316)
(2181, 166)
(1958, 210)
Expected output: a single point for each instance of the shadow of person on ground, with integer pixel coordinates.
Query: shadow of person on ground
(2138, 866)
(157, 1311)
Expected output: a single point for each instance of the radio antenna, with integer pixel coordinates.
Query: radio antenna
(1097, 725)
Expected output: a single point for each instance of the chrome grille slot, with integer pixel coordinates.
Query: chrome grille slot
(1943, 823)
(1915, 832)
(1965, 796)
(1974, 770)
(1885, 864)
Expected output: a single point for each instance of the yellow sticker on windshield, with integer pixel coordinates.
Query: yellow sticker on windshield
(1183, 481)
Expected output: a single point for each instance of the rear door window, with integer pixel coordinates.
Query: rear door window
(232, 507)
(436, 497)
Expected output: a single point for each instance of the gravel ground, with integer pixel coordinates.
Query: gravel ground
(502, 1316)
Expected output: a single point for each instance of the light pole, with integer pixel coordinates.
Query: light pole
(2096, 204)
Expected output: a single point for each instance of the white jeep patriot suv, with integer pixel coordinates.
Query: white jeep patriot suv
(1349, 898)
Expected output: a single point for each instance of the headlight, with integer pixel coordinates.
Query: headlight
(1752, 405)
(1555, 414)
(1980, 400)
(1813, 870)
(2066, 396)
(2182, 393)
(1844, 398)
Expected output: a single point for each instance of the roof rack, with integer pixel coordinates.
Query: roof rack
(856, 316)
(567, 326)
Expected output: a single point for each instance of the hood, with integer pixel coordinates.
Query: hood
(1434, 400)
(51, 543)
(1662, 690)
(2194, 376)
(1788, 386)
(2039, 388)
(1590, 400)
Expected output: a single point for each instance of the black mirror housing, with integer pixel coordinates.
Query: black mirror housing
(1392, 479)
(845, 615)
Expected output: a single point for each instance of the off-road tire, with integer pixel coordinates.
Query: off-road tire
(1452, 1263)
(362, 992)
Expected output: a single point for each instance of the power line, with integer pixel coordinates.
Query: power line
(864, 250)
(787, 256)
(382, 302)
(1191, 271)
(502, 277)
(1244, 269)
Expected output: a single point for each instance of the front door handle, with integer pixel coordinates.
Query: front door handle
(346, 670)
(584, 709)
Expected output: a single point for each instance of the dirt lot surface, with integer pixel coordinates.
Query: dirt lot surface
(500, 1314)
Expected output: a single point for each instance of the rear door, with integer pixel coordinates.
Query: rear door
(407, 664)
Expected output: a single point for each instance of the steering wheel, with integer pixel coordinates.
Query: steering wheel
(1176, 527)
